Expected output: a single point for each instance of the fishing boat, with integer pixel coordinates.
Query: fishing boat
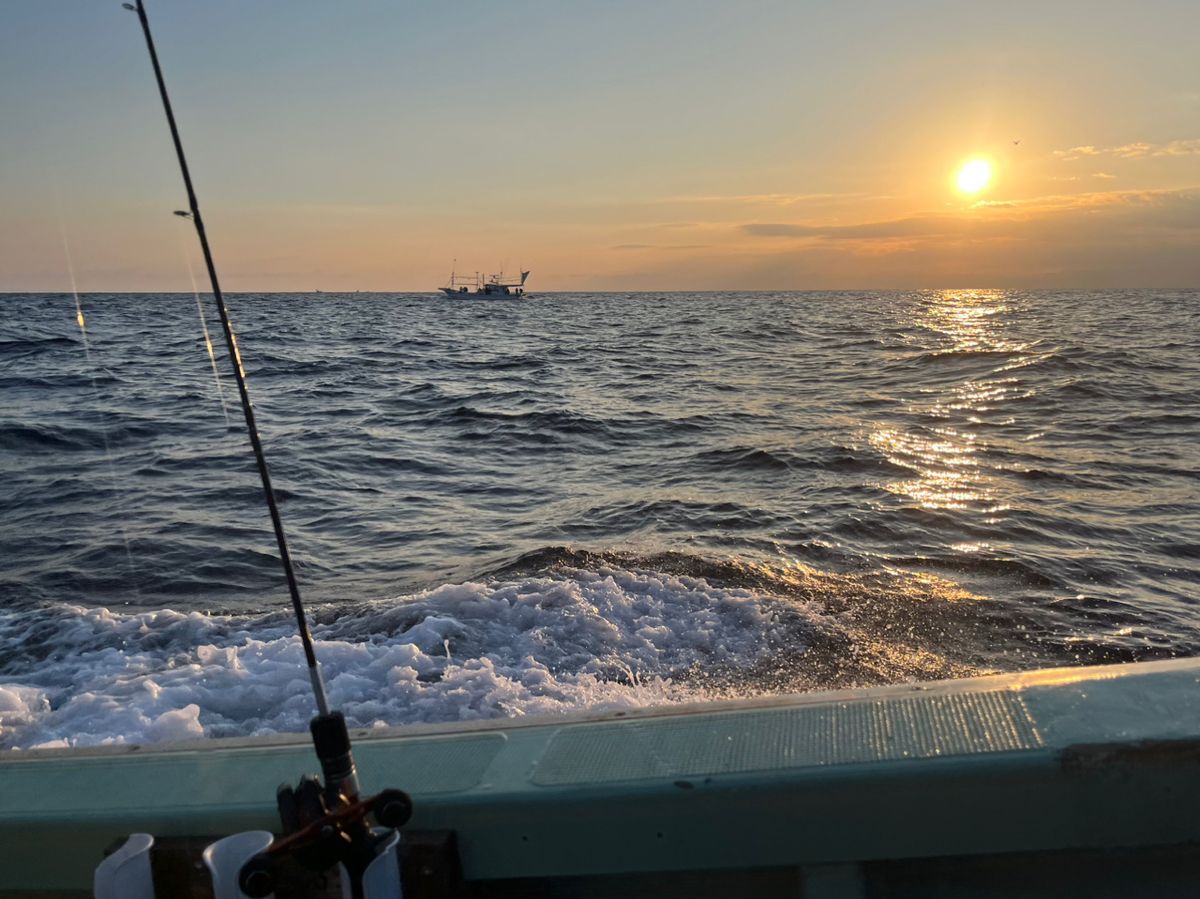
(497, 285)
(1064, 782)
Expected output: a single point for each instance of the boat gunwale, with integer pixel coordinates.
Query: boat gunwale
(983, 683)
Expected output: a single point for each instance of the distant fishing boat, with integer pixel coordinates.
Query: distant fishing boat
(497, 285)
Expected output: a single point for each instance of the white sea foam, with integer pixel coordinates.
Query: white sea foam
(539, 646)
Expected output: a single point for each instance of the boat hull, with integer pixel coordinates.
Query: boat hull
(480, 294)
(1038, 777)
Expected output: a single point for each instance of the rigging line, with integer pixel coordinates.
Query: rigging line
(314, 671)
(81, 320)
(212, 358)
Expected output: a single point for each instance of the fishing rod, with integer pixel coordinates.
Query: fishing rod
(239, 373)
(334, 816)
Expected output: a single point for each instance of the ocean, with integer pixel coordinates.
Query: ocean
(576, 502)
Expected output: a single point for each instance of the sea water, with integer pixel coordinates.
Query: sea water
(583, 501)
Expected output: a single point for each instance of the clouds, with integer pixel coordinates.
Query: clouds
(1076, 153)
(912, 226)
(1110, 238)
(1181, 148)
(653, 246)
(1009, 219)
(1135, 150)
(762, 199)
(1132, 151)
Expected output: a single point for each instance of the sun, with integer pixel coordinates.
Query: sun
(974, 176)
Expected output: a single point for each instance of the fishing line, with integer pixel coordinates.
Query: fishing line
(79, 317)
(81, 320)
(324, 825)
(239, 373)
(212, 358)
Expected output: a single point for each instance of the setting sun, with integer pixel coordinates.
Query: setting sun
(974, 176)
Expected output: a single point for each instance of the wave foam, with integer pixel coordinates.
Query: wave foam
(583, 639)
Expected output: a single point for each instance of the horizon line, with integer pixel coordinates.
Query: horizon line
(536, 293)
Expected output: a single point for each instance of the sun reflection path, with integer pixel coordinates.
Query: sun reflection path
(971, 319)
(949, 475)
(945, 453)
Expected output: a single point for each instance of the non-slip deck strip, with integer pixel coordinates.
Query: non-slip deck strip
(838, 734)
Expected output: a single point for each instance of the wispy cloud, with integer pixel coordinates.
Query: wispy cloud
(761, 199)
(1135, 150)
(1105, 176)
(1181, 148)
(1076, 153)
(911, 226)
(1061, 202)
(907, 228)
(1002, 219)
(652, 246)
(1101, 238)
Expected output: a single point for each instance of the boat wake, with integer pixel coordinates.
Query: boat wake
(553, 632)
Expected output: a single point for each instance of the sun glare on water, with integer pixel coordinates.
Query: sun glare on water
(974, 176)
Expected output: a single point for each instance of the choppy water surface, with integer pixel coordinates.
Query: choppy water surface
(584, 501)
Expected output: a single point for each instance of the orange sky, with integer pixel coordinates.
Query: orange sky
(671, 146)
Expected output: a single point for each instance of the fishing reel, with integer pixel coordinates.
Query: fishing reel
(327, 824)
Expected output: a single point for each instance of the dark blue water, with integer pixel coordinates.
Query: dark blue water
(605, 498)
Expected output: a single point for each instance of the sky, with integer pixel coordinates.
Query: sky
(650, 145)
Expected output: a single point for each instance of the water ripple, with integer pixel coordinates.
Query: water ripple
(947, 481)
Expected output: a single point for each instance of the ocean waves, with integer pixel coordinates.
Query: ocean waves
(580, 634)
(896, 485)
(582, 640)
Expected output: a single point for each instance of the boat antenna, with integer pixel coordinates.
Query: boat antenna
(321, 825)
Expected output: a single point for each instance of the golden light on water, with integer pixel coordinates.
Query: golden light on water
(974, 176)
(948, 473)
(944, 453)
